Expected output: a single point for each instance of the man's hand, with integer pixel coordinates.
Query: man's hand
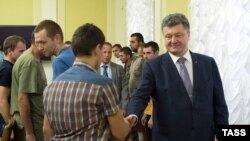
(30, 137)
(150, 122)
(143, 120)
(132, 119)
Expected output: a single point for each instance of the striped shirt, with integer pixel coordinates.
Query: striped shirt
(77, 104)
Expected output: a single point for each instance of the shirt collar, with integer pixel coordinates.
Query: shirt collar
(187, 55)
(108, 64)
(78, 63)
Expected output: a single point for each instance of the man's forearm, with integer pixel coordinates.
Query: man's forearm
(47, 130)
(5, 110)
(4, 103)
(117, 121)
(24, 109)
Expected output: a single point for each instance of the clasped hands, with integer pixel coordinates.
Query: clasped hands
(131, 120)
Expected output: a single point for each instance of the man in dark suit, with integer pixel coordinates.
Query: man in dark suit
(115, 72)
(187, 95)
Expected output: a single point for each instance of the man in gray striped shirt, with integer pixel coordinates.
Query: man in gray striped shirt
(81, 104)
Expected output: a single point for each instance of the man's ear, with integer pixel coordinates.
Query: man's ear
(58, 38)
(157, 52)
(9, 50)
(99, 46)
(97, 50)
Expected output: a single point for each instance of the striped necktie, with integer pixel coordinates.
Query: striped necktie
(105, 72)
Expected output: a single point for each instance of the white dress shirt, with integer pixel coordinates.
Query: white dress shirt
(108, 69)
(188, 63)
(119, 62)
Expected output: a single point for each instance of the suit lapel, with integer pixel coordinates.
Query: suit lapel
(169, 70)
(171, 75)
(113, 70)
(195, 75)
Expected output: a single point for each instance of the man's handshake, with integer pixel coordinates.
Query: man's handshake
(131, 119)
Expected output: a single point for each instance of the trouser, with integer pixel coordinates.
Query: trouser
(134, 135)
(19, 133)
(147, 129)
(138, 129)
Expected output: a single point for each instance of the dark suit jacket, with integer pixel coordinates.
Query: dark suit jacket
(175, 117)
(118, 77)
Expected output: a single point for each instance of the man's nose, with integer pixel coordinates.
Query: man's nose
(173, 39)
(40, 47)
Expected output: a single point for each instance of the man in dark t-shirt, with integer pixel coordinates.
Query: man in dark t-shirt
(5, 73)
(13, 47)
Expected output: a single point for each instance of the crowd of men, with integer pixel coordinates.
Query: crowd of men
(141, 96)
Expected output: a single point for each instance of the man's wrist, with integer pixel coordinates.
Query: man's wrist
(136, 119)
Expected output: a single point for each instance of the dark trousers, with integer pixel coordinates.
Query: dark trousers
(19, 133)
(134, 135)
(147, 129)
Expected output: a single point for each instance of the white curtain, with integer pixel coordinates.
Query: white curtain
(140, 18)
(221, 29)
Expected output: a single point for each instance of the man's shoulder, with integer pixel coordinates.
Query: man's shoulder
(66, 55)
(26, 56)
(66, 52)
(114, 65)
(26, 59)
(138, 60)
(158, 60)
(82, 74)
(201, 57)
(98, 79)
(136, 64)
(6, 65)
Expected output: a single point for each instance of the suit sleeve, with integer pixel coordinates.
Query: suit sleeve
(124, 92)
(141, 95)
(220, 106)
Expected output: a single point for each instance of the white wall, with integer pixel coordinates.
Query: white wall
(220, 28)
(140, 18)
(45, 9)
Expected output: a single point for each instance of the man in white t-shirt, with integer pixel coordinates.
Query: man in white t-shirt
(116, 49)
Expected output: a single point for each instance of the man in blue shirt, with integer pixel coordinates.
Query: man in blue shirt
(63, 61)
(81, 104)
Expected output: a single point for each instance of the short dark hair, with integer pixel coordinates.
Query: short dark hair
(126, 50)
(86, 38)
(51, 27)
(153, 45)
(10, 43)
(108, 43)
(175, 19)
(67, 42)
(32, 40)
(117, 45)
(138, 36)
